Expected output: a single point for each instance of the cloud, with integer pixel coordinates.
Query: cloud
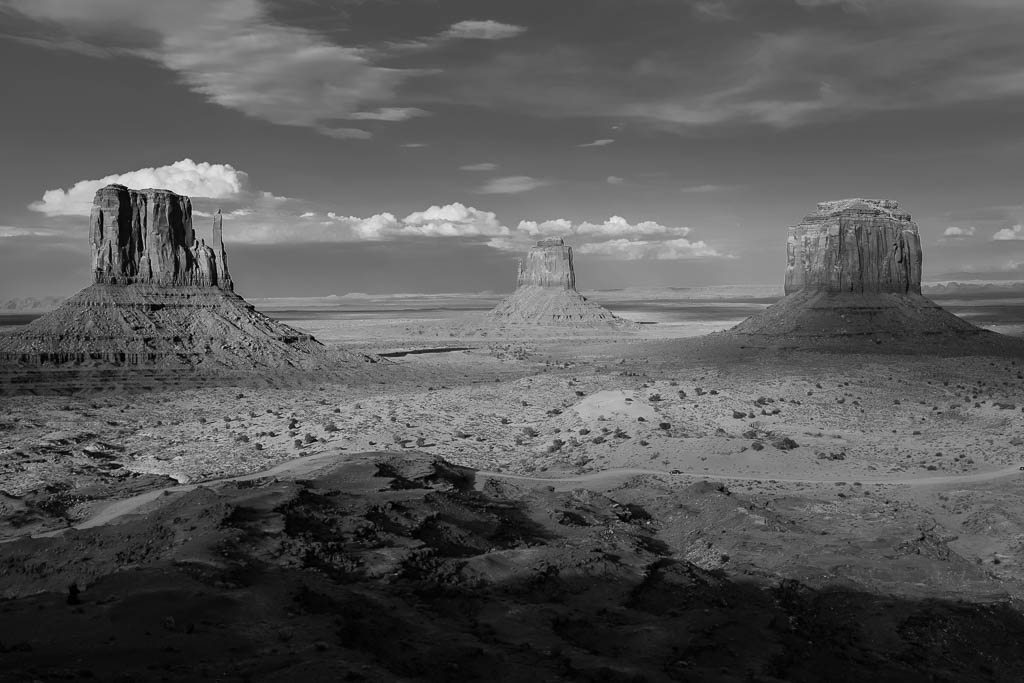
(663, 250)
(485, 166)
(614, 180)
(702, 188)
(954, 231)
(202, 179)
(308, 214)
(389, 114)
(482, 30)
(616, 238)
(512, 185)
(236, 56)
(452, 220)
(1014, 233)
(11, 231)
(597, 143)
(449, 220)
(414, 145)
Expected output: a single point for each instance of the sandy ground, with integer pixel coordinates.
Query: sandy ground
(894, 476)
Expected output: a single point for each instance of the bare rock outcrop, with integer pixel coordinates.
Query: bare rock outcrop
(854, 271)
(855, 245)
(146, 237)
(161, 297)
(546, 296)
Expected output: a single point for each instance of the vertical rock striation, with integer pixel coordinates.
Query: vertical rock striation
(853, 270)
(549, 264)
(855, 245)
(146, 237)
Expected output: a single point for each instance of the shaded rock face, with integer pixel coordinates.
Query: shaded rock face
(549, 264)
(855, 245)
(146, 237)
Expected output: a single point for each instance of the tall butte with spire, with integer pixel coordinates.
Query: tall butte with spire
(160, 296)
(853, 270)
(546, 295)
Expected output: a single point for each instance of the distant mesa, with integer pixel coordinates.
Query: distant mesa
(160, 296)
(854, 270)
(546, 294)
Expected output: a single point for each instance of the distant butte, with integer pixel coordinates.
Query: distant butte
(160, 296)
(546, 295)
(854, 271)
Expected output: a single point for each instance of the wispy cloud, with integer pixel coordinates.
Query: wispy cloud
(389, 114)
(614, 180)
(484, 166)
(598, 143)
(236, 56)
(488, 29)
(702, 188)
(955, 231)
(663, 250)
(512, 185)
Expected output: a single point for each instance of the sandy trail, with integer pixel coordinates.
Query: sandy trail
(603, 479)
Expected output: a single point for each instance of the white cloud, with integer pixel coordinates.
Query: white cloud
(483, 30)
(202, 179)
(614, 180)
(11, 231)
(452, 220)
(597, 143)
(307, 214)
(414, 145)
(617, 226)
(485, 166)
(954, 231)
(512, 185)
(557, 226)
(1014, 233)
(235, 55)
(701, 188)
(663, 250)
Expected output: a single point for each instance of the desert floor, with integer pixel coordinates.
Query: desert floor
(653, 507)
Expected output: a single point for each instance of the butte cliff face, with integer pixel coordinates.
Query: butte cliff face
(160, 296)
(546, 295)
(146, 237)
(855, 245)
(854, 271)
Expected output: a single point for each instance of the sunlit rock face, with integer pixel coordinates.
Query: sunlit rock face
(146, 237)
(855, 245)
(549, 264)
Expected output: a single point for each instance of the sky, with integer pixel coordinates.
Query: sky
(385, 146)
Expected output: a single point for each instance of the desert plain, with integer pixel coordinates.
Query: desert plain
(647, 506)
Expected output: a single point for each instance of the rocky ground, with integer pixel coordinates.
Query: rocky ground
(604, 509)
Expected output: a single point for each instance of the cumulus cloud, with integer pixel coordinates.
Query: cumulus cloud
(659, 250)
(614, 180)
(485, 166)
(452, 220)
(554, 227)
(483, 30)
(233, 53)
(597, 143)
(618, 226)
(202, 179)
(954, 231)
(1014, 233)
(512, 185)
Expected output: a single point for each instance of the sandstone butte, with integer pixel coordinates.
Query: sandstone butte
(160, 296)
(546, 295)
(853, 269)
